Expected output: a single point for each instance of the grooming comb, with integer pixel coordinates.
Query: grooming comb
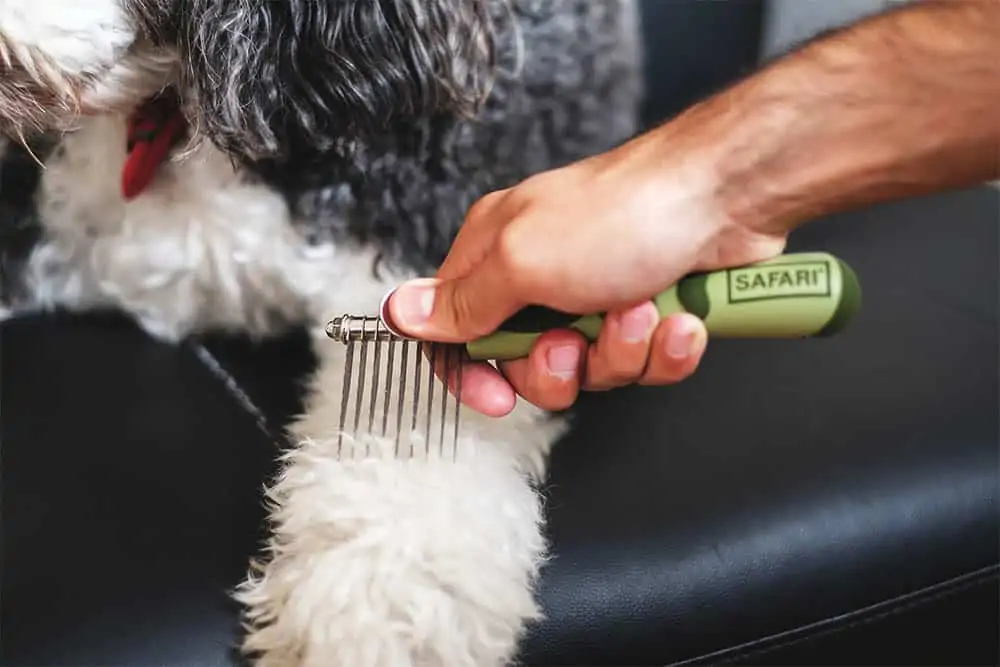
(391, 391)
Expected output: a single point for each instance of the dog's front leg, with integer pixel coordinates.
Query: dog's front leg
(393, 562)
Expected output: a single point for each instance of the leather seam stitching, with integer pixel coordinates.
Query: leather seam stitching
(233, 388)
(851, 619)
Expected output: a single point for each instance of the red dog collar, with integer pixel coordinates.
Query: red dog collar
(153, 130)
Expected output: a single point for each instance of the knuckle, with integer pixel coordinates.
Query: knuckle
(462, 309)
(513, 253)
(532, 186)
(482, 206)
(601, 373)
(622, 361)
(615, 373)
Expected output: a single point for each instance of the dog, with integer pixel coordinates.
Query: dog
(254, 165)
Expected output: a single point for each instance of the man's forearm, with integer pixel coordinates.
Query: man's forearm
(901, 104)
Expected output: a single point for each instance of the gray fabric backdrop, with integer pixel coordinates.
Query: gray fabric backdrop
(791, 21)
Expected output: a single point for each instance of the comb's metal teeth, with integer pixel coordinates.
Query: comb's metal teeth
(345, 398)
(416, 394)
(402, 394)
(387, 395)
(376, 376)
(362, 374)
(431, 376)
(444, 364)
(446, 381)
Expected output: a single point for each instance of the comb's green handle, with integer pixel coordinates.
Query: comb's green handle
(790, 296)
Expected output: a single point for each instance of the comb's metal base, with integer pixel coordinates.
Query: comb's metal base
(348, 328)
(391, 391)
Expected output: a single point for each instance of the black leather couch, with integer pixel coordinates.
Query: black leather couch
(815, 502)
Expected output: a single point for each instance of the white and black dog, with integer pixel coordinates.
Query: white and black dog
(251, 165)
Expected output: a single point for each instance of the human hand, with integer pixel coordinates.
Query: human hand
(601, 235)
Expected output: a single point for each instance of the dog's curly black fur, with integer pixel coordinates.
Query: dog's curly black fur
(384, 121)
(294, 78)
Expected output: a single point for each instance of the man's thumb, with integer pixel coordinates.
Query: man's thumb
(449, 311)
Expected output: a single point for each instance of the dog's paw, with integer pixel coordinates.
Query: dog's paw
(383, 563)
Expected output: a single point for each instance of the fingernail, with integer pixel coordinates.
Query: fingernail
(681, 340)
(412, 303)
(637, 325)
(563, 361)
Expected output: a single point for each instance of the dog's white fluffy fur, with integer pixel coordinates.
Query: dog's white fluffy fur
(74, 36)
